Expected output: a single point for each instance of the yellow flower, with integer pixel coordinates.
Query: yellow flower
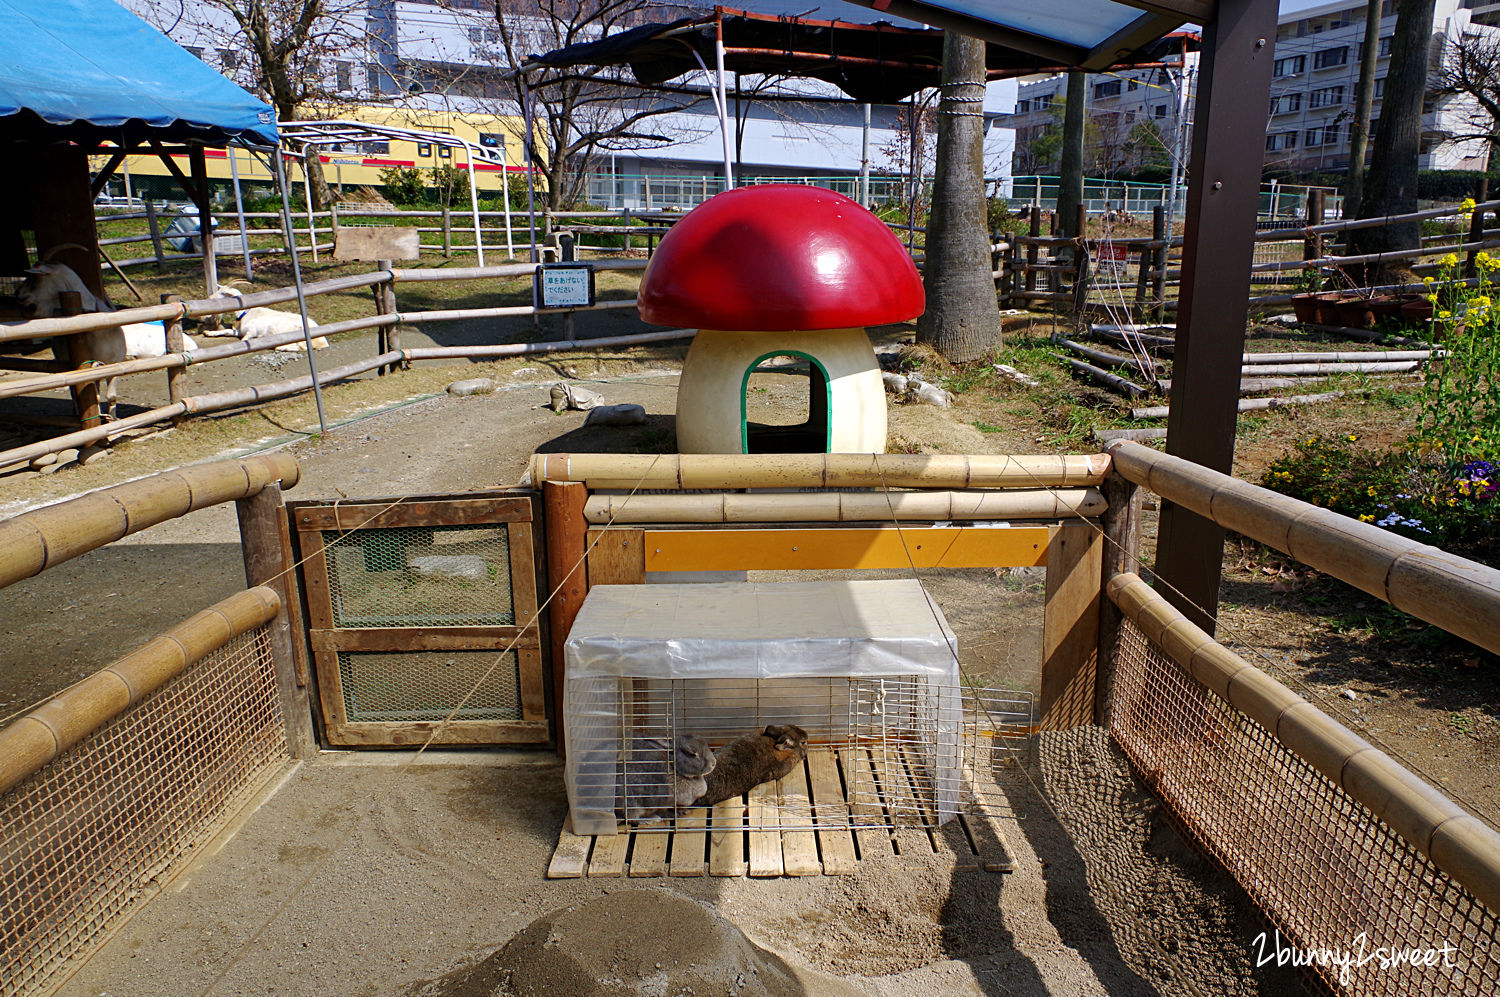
(1367, 517)
(1450, 260)
(1452, 502)
(1467, 204)
(1371, 491)
(1352, 438)
(1445, 314)
(1432, 299)
(1427, 280)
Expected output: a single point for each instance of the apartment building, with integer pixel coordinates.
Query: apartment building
(1316, 71)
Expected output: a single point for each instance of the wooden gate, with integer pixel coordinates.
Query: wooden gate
(422, 619)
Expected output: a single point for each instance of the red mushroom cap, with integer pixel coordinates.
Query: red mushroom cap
(777, 257)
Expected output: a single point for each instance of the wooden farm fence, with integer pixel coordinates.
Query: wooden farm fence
(1138, 276)
(389, 354)
(1345, 850)
(107, 787)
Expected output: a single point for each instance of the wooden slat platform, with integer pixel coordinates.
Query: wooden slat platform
(800, 826)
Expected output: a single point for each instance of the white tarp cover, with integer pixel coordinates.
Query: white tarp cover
(761, 630)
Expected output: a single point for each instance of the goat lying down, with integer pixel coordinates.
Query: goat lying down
(253, 323)
(42, 294)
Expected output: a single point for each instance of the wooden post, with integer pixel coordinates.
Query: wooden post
(199, 165)
(447, 232)
(1031, 251)
(175, 344)
(387, 336)
(1312, 245)
(86, 395)
(1122, 553)
(333, 221)
(1142, 280)
(266, 541)
(155, 227)
(1070, 625)
(1160, 233)
(567, 580)
(1080, 280)
(626, 217)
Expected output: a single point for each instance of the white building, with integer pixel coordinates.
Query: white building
(1316, 71)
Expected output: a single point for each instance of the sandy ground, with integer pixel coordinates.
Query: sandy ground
(374, 874)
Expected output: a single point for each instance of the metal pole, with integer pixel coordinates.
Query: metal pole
(239, 210)
(510, 240)
(723, 104)
(864, 162)
(307, 337)
(526, 117)
(474, 196)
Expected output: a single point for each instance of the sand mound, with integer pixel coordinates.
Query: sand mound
(633, 943)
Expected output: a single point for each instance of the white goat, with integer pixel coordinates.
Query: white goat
(253, 323)
(42, 293)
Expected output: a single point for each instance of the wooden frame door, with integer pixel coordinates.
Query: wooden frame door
(422, 619)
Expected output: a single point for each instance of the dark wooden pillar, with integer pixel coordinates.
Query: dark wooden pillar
(1234, 85)
(62, 210)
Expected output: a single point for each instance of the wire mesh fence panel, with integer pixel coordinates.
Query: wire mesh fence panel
(429, 685)
(1364, 909)
(414, 576)
(92, 834)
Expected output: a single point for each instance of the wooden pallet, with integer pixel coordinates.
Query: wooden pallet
(765, 834)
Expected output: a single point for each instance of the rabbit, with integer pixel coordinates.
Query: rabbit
(647, 789)
(748, 761)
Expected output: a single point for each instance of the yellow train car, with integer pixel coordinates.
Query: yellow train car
(351, 163)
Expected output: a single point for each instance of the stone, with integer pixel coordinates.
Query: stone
(473, 386)
(617, 415)
(895, 384)
(468, 567)
(43, 460)
(92, 454)
(65, 458)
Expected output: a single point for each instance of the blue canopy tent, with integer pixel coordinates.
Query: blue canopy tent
(81, 78)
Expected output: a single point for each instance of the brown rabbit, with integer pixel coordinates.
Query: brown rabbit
(748, 761)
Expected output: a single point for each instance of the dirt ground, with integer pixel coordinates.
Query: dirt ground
(373, 874)
(386, 879)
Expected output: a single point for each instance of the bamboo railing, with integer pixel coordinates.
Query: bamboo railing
(1460, 596)
(1457, 842)
(44, 733)
(44, 538)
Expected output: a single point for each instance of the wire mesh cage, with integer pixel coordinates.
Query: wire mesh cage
(421, 576)
(879, 752)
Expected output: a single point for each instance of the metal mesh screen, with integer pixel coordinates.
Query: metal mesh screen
(91, 834)
(905, 750)
(1332, 877)
(420, 576)
(391, 686)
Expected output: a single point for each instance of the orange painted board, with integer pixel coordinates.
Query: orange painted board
(848, 548)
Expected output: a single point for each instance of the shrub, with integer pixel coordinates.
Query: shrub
(402, 185)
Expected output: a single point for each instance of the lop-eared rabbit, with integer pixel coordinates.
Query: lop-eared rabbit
(649, 788)
(748, 761)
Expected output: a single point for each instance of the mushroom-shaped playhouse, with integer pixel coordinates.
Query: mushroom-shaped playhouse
(777, 271)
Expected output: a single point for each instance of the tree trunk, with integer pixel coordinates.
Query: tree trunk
(1364, 102)
(962, 320)
(1070, 183)
(1392, 187)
